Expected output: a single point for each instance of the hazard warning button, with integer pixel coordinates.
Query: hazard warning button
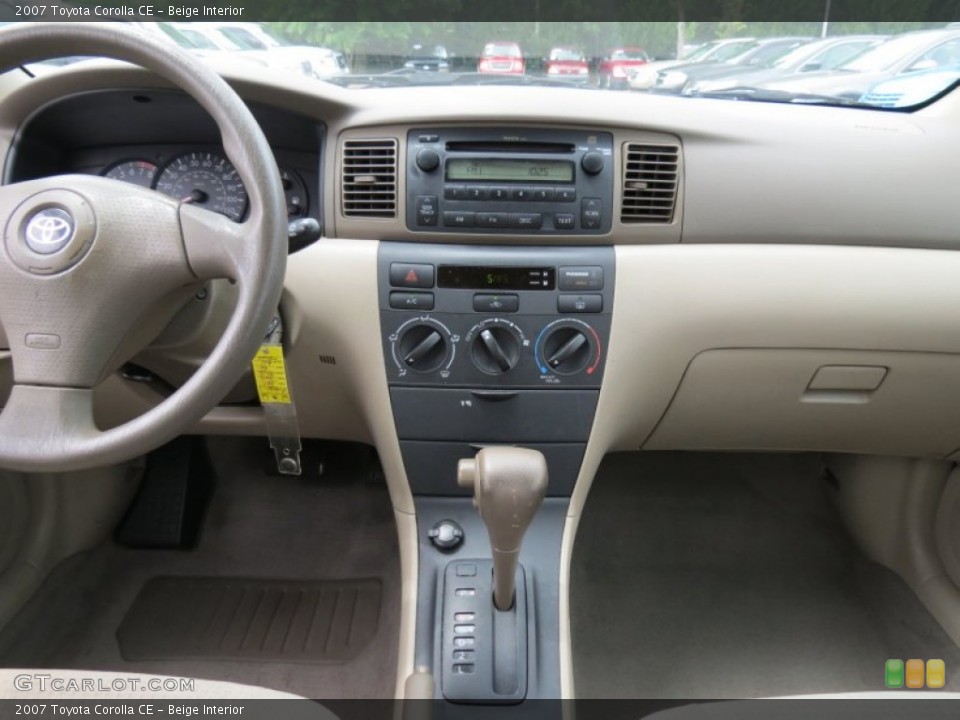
(411, 276)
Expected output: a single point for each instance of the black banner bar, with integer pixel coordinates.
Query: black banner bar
(495, 11)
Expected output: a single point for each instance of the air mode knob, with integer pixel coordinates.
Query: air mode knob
(592, 162)
(496, 350)
(428, 160)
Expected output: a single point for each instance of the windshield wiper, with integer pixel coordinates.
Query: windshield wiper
(507, 79)
(406, 77)
(366, 81)
(752, 94)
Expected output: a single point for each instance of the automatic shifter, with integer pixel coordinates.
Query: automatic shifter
(508, 484)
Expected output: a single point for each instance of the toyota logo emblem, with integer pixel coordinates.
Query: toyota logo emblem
(49, 230)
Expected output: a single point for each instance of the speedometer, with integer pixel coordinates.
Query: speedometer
(205, 179)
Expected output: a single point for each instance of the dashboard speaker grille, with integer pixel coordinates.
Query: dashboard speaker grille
(369, 179)
(650, 179)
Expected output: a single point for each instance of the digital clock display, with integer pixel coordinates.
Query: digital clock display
(509, 170)
(473, 277)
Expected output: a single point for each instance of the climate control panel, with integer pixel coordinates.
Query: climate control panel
(504, 317)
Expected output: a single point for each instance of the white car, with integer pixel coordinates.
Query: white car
(645, 76)
(311, 61)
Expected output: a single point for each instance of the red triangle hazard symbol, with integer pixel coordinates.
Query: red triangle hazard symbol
(412, 277)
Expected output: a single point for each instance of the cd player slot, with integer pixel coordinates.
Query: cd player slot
(510, 147)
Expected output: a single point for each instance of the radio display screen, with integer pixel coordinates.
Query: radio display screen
(471, 277)
(509, 170)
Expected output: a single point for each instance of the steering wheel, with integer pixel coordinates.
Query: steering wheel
(84, 258)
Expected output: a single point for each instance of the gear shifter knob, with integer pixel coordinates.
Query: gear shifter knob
(508, 486)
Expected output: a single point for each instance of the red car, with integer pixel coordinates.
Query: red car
(613, 68)
(502, 57)
(567, 63)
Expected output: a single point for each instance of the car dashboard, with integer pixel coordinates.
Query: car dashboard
(575, 270)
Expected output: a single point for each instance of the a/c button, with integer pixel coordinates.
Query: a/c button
(411, 301)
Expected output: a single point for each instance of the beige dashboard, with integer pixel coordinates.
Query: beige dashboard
(803, 238)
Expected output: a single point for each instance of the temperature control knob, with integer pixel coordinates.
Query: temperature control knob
(496, 350)
(422, 348)
(567, 350)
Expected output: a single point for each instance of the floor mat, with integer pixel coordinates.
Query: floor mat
(700, 575)
(337, 527)
(214, 618)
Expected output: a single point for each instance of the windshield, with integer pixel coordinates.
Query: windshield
(809, 62)
(824, 54)
(243, 39)
(192, 37)
(566, 54)
(729, 51)
(502, 50)
(884, 56)
(629, 54)
(766, 55)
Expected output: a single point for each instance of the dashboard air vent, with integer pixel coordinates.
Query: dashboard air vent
(650, 178)
(369, 180)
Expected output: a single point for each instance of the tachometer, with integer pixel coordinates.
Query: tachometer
(205, 179)
(138, 172)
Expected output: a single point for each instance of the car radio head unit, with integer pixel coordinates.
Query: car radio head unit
(509, 181)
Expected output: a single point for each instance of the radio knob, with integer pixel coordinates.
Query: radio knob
(591, 162)
(496, 350)
(428, 160)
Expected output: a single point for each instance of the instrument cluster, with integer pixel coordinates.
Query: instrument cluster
(206, 179)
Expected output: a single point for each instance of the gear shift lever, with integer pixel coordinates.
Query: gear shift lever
(508, 486)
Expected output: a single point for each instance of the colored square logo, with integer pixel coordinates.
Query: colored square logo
(915, 670)
(893, 674)
(936, 674)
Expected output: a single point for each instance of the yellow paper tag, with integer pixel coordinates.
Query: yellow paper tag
(271, 375)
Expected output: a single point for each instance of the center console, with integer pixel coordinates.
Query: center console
(493, 345)
(495, 357)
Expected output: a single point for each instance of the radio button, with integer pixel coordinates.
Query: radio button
(543, 194)
(458, 219)
(455, 192)
(499, 193)
(426, 209)
(581, 277)
(409, 275)
(496, 303)
(591, 213)
(411, 300)
(565, 221)
(477, 192)
(521, 194)
(492, 220)
(526, 221)
(565, 194)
